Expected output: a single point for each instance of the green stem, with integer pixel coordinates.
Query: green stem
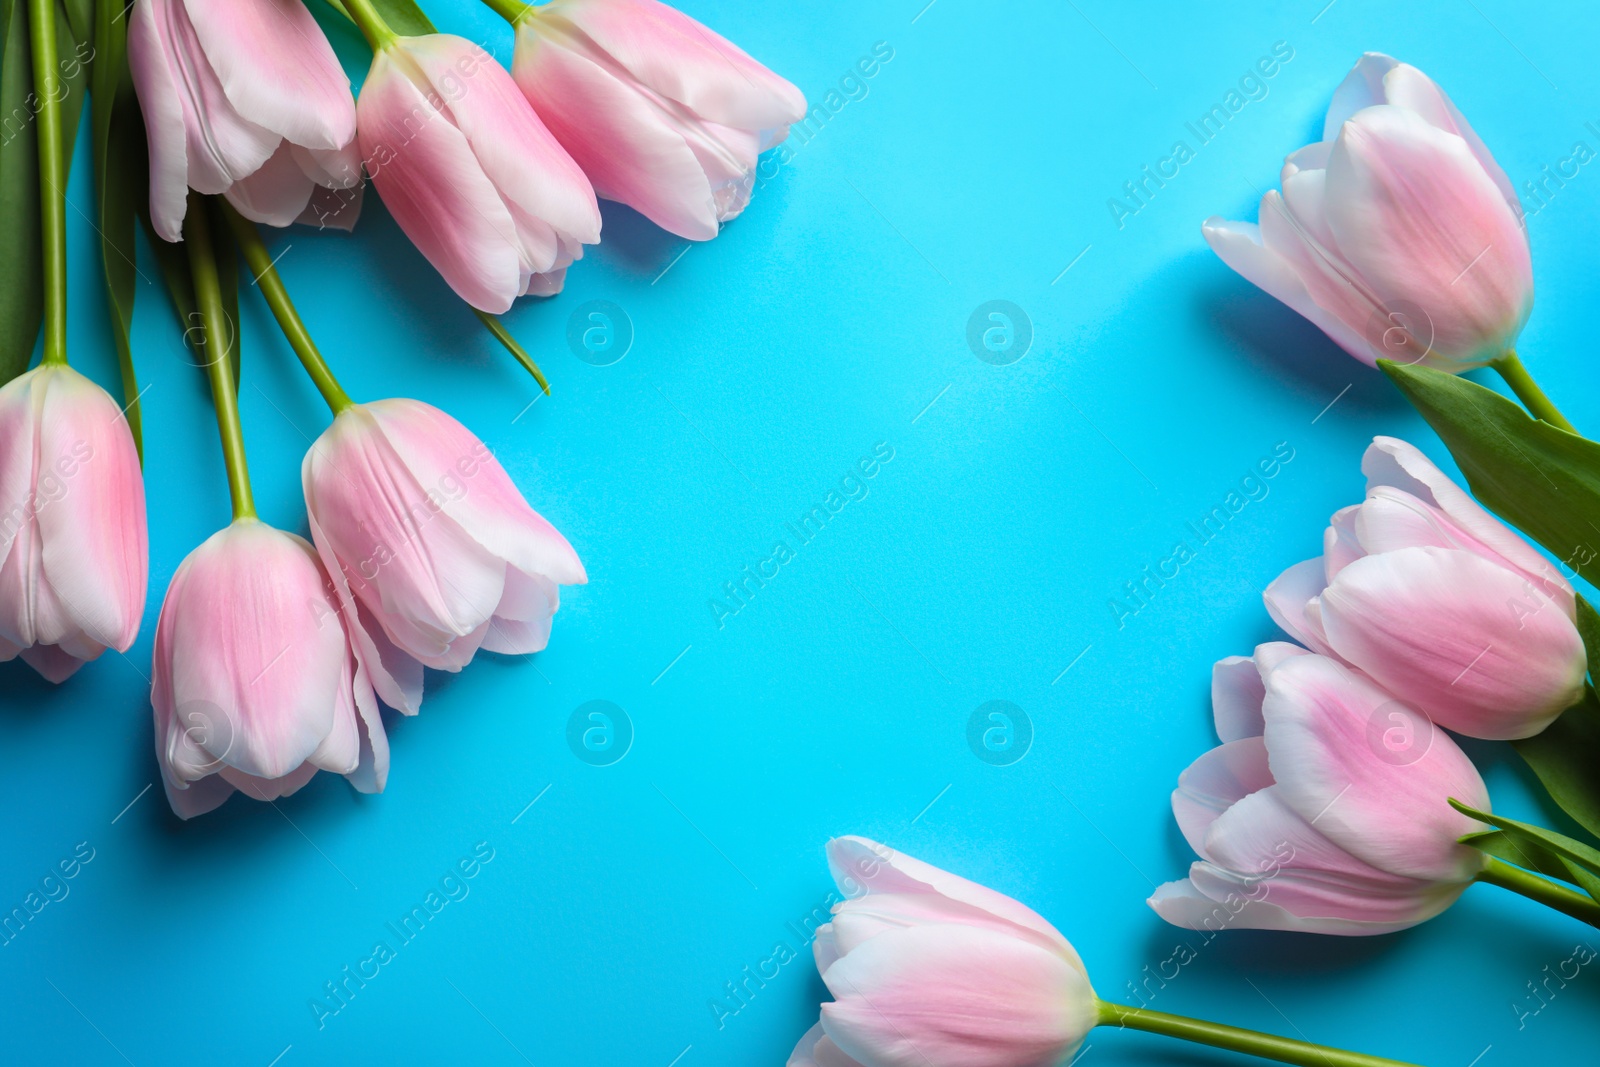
(219, 367)
(513, 11)
(49, 90)
(277, 297)
(1516, 375)
(1549, 893)
(377, 32)
(503, 335)
(1252, 1042)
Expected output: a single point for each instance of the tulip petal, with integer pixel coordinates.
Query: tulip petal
(541, 185)
(1241, 246)
(859, 865)
(816, 1049)
(441, 453)
(333, 209)
(276, 68)
(625, 142)
(522, 620)
(1410, 204)
(155, 83)
(1322, 720)
(276, 194)
(956, 995)
(1392, 462)
(684, 61)
(436, 190)
(1236, 695)
(1286, 599)
(1476, 646)
(1215, 782)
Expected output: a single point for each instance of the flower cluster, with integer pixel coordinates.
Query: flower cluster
(491, 174)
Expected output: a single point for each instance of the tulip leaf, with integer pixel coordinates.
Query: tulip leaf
(403, 16)
(1566, 756)
(21, 250)
(1570, 850)
(1539, 478)
(174, 263)
(120, 184)
(1522, 852)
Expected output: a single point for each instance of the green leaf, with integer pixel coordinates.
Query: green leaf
(403, 16)
(121, 180)
(1541, 479)
(22, 295)
(1566, 848)
(174, 263)
(503, 335)
(1566, 756)
(1523, 853)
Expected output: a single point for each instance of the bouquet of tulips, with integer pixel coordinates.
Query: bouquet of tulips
(208, 119)
(1337, 801)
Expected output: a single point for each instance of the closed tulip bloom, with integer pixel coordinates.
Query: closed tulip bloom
(244, 98)
(930, 970)
(1397, 234)
(73, 550)
(1325, 809)
(1439, 602)
(256, 685)
(662, 114)
(469, 172)
(439, 551)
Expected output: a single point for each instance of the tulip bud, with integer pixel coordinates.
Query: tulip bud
(470, 173)
(1439, 602)
(1397, 235)
(440, 552)
(244, 98)
(256, 686)
(661, 113)
(1326, 808)
(73, 551)
(929, 968)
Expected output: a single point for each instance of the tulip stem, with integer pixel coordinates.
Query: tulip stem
(277, 297)
(513, 11)
(1552, 894)
(218, 334)
(50, 91)
(1251, 1042)
(377, 32)
(1516, 375)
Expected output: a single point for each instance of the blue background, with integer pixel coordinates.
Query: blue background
(979, 567)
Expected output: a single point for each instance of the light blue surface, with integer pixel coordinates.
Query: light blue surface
(978, 567)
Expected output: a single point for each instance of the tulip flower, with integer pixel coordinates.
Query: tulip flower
(244, 98)
(1438, 602)
(73, 550)
(1397, 234)
(256, 687)
(662, 114)
(928, 969)
(467, 169)
(440, 552)
(1325, 809)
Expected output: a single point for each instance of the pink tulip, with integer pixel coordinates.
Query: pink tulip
(662, 114)
(1397, 234)
(928, 968)
(73, 549)
(256, 686)
(1324, 809)
(439, 552)
(1437, 601)
(470, 173)
(244, 98)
